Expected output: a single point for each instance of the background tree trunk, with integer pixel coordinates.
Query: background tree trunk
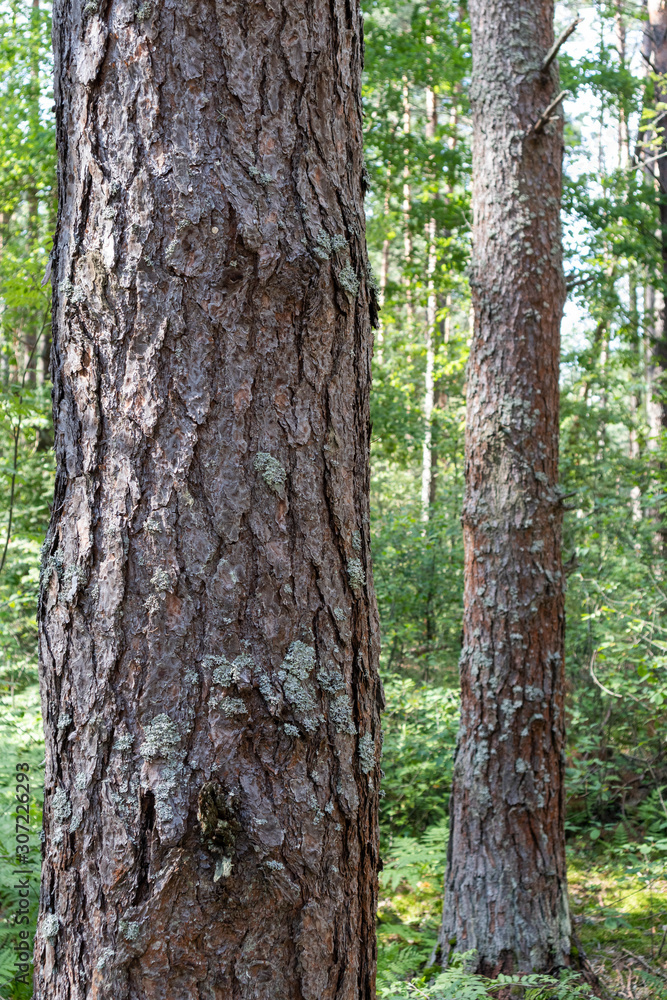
(209, 637)
(506, 888)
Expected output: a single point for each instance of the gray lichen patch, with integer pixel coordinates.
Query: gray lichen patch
(330, 679)
(356, 575)
(50, 927)
(221, 669)
(322, 248)
(271, 471)
(341, 716)
(61, 806)
(338, 243)
(269, 693)
(291, 730)
(349, 281)
(123, 743)
(162, 740)
(275, 866)
(294, 672)
(232, 706)
(161, 580)
(299, 662)
(162, 745)
(152, 604)
(366, 753)
(64, 720)
(129, 929)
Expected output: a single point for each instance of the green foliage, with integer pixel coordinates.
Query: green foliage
(27, 219)
(457, 983)
(420, 727)
(21, 742)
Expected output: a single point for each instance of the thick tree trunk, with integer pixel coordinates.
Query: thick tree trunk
(209, 637)
(506, 888)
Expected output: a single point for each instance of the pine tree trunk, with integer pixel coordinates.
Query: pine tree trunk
(506, 887)
(655, 46)
(209, 636)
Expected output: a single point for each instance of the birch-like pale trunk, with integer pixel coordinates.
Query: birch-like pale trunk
(407, 205)
(506, 884)
(208, 632)
(430, 334)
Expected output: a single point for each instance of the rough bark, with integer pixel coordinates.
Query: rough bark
(655, 50)
(506, 887)
(209, 637)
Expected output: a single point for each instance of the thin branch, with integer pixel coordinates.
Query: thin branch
(544, 118)
(642, 961)
(612, 694)
(17, 434)
(646, 58)
(571, 283)
(553, 51)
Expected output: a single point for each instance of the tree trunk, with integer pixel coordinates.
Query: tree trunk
(506, 887)
(657, 49)
(407, 207)
(431, 313)
(209, 637)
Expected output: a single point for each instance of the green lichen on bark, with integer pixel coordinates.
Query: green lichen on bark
(348, 280)
(294, 672)
(366, 753)
(356, 575)
(271, 471)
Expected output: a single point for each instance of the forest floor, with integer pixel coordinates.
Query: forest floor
(620, 918)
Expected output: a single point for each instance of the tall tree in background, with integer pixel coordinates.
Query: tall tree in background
(654, 153)
(209, 636)
(506, 888)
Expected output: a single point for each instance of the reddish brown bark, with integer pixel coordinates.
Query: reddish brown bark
(209, 637)
(506, 890)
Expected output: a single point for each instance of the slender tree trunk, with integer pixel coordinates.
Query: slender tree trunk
(506, 886)
(407, 200)
(623, 133)
(431, 312)
(429, 377)
(209, 637)
(384, 273)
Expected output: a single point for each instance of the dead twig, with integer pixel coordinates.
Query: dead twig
(645, 964)
(553, 51)
(544, 118)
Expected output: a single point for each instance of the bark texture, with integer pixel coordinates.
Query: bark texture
(655, 51)
(209, 637)
(506, 889)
